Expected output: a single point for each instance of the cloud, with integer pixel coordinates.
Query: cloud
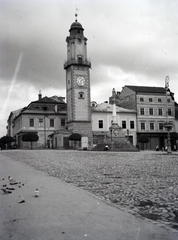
(129, 42)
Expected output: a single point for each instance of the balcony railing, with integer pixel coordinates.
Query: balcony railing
(77, 62)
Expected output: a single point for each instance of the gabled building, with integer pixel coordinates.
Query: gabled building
(102, 117)
(154, 106)
(42, 117)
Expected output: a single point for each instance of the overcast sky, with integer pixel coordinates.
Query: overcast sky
(130, 42)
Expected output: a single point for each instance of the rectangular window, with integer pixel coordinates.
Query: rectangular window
(41, 122)
(160, 126)
(131, 124)
(100, 123)
(169, 112)
(123, 124)
(151, 126)
(160, 111)
(151, 111)
(79, 60)
(142, 111)
(143, 126)
(51, 122)
(31, 122)
(63, 122)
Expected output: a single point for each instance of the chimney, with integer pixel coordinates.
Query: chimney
(39, 95)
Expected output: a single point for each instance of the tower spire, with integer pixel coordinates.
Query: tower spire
(76, 17)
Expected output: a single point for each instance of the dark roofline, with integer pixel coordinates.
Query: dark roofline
(145, 89)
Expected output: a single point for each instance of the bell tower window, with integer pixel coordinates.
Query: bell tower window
(80, 59)
(81, 95)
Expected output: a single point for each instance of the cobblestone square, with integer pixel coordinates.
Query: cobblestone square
(144, 183)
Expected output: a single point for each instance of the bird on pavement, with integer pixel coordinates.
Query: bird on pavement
(5, 190)
(37, 193)
(12, 181)
(22, 201)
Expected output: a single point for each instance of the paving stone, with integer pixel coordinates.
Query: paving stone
(146, 182)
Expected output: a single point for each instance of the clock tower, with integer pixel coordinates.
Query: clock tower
(77, 69)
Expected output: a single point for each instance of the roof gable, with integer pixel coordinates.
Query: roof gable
(45, 100)
(145, 89)
(106, 107)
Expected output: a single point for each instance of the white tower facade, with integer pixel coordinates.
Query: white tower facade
(77, 69)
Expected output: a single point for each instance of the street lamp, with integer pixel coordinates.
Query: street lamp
(128, 135)
(168, 126)
(45, 131)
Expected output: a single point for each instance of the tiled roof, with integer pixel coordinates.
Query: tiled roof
(144, 89)
(45, 100)
(106, 107)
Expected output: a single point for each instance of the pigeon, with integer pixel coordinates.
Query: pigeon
(5, 190)
(22, 201)
(10, 178)
(37, 193)
(10, 188)
(12, 181)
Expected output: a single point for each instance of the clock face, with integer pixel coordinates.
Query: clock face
(79, 40)
(81, 81)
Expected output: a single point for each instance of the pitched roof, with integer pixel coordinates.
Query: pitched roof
(45, 100)
(144, 89)
(106, 107)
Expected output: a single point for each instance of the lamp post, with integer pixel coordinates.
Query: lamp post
(168, 126)
(44, 132)
(128, 135)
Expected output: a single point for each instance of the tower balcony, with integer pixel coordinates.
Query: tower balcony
(77, 62)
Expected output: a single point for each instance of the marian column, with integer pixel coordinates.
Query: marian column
(115, 129)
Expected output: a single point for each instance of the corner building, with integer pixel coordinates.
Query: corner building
(77, 69)
(154, 106)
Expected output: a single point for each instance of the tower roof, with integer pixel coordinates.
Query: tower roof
(76, 28)
(76, 25)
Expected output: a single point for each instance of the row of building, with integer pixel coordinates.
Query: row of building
(133, 113)
(140, 111)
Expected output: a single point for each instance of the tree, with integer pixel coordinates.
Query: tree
(174, 138)
(6, 140)
(30, 137)
(75, 137)
(142, 140)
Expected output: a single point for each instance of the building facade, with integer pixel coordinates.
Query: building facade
(43, 117)
(102, 117)
(154, 106)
